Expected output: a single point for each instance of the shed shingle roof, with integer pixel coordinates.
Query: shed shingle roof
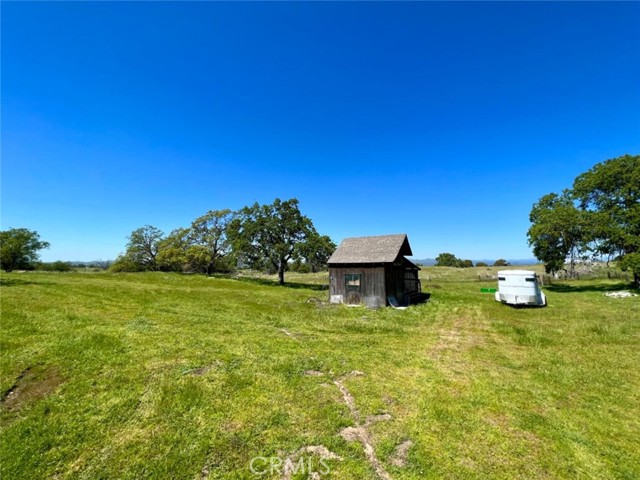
(378, 249)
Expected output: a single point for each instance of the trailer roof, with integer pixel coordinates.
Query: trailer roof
(516, 272)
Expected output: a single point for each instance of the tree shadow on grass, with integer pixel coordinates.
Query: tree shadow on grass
(603, 287)
(273, 283)
(13, 282)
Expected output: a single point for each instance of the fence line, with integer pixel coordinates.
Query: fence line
(544, 278)
(549, 279)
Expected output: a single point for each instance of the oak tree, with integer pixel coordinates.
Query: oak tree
(267, 236)
(19, 248)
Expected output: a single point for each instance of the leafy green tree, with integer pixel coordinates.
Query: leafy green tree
(315, 250)
(299, 266)
(203, 248)
(142, 250)
(19, 248)
(267, 236)
(209, 241)
(557, 231)
(609, 194)
(125, 263)
(631, 262)
(481, 264)
(172, 251)
(466, 263)
(501, 262)
(599, 216)
(447, 260)
(57, 266)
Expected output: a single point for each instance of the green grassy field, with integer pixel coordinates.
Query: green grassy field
(168, 376)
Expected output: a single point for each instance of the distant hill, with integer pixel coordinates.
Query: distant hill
(95, 263)
(429, 262)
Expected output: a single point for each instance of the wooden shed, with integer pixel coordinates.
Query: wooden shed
(374, 271)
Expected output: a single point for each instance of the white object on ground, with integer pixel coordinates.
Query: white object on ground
(393, 302)
(620, 294)
(519, 287)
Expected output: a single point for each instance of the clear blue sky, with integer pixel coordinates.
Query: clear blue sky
(445, 121)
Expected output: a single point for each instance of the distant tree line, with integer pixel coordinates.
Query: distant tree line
(58, 266)
(272, 238)
(19, 249)
(450, 260)
(598, 218)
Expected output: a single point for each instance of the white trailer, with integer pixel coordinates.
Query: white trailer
(519, 287)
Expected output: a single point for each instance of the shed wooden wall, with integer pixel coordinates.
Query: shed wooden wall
(378, 282)
(373, 290)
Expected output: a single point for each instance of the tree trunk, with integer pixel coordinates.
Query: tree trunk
(281, 273)
(636, 280)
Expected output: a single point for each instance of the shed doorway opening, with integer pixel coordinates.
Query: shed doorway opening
(353, 288)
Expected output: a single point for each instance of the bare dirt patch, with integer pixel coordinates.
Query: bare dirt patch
(313, 373)
(348, 400)
(389, 400)
(318, 450)
(371, 419)
(360, 432)
(351, 434)
(399, 457)
(30, 386)
(201, 370)
(315, 300)
(292, 336)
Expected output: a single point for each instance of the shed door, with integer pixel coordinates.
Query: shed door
(353, 288)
